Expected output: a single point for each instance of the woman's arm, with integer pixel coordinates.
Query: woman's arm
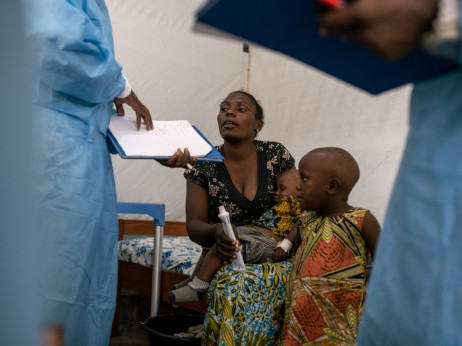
(371, 229)
(199, 230)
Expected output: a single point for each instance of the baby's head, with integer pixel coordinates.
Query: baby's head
(327, 176)
(286, 185)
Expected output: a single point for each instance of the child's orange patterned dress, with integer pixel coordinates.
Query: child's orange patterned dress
(325, 293)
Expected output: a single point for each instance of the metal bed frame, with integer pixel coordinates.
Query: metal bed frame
(157, 211)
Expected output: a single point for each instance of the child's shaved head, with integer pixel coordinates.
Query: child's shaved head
(338, 163)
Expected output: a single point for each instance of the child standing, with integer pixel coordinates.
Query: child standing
(261, 242)
(327, 285)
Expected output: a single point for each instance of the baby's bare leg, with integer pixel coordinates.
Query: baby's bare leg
(194, 273)
(212, 262)
(196, 288)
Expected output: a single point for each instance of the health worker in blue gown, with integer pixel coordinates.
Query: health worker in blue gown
(415, 294)
(17, 204)
(78, 81)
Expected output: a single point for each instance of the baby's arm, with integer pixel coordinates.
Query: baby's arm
(371, 229)
(279, 254)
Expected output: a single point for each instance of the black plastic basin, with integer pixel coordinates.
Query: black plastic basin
(162, 328)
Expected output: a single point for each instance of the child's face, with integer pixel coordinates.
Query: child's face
(286, 185)
(313, 183)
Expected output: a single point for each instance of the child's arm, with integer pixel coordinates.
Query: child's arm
(293, 235)
(279, 254)
(371, 229)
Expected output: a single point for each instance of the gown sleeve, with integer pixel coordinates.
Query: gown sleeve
(72, 50)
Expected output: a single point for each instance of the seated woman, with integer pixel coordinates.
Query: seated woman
(243, 305)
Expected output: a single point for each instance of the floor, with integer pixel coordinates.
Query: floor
(137, 337)
(134, 308)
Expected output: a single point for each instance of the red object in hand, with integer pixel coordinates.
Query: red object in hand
(330, 3)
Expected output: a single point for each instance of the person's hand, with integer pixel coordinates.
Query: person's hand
(225, 245)
(279, 254)
(391, 28)
(140, 109)
(179, 159)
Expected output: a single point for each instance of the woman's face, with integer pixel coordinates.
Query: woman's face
(236, 119)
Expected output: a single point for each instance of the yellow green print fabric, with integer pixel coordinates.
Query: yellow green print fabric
(281, 218)
(246, 307)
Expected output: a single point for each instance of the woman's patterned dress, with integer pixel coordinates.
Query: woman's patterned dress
(248, 306)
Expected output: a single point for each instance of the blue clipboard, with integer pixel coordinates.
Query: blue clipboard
(213, 155)
(290, 27)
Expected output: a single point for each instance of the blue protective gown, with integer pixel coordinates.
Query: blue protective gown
(18, 324)
(415, 293)
(78, 78)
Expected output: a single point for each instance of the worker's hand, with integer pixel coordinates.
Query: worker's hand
(140, 109)
(279, 254)
(225, 245)
(391, 28)
(181, 158)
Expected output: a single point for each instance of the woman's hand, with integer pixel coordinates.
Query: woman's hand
(179, 159)
(225, 245)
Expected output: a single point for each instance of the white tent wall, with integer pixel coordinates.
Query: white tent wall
(180, 74)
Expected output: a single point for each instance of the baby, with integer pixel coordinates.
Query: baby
(327, 284)
(261, 242)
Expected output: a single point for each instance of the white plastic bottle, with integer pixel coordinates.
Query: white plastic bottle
(238, 262)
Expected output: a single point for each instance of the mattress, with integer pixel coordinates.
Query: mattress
(179, 254)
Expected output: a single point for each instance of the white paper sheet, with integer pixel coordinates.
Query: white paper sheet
(163, 141)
